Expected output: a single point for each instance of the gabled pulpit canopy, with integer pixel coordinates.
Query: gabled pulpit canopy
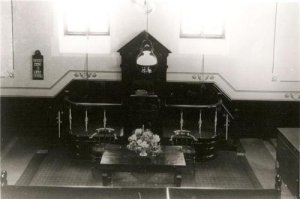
(133, 46)
(151, 78)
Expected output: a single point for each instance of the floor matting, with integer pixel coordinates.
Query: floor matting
(57, 168)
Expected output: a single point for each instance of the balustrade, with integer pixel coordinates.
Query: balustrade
(89, 129)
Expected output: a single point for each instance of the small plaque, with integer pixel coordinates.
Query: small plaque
(37, 66)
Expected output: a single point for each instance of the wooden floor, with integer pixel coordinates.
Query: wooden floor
(260, 155)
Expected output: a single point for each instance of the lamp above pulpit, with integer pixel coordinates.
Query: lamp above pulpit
(146, 57)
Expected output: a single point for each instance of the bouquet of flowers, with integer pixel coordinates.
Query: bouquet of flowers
(144, 141)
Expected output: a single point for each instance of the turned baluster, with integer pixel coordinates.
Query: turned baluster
(216, 120)
(70, 119)
(104, 119)
(58, 122)
(181, 120)
(226, 127)
(200, 123)
(86, 120)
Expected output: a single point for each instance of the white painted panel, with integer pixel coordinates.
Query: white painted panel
(6, 53)
(287, 43)
(242, 61)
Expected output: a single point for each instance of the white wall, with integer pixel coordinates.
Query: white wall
(287, 44)
(241, 64)
(6, 62)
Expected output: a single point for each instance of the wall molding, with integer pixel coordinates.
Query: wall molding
(229, 84)
(289, 81)
(75, 74)
(221, 82)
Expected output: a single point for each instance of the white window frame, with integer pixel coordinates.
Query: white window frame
(68, 32)
(202, 33)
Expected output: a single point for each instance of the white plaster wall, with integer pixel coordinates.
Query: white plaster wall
(287, 50)
(6, 64)
(241, 64)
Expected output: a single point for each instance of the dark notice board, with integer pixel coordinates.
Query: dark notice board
(37, 66)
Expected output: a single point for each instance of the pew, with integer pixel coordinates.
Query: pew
(194, 193)
(50, 192)
(78, 192)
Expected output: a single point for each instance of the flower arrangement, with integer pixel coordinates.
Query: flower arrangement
(144, 141)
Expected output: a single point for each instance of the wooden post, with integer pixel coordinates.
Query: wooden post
(200, 123)
(105, 179)
(86, 120)
(278, 182)
(177, 179)
(216, 120)
(3, 178)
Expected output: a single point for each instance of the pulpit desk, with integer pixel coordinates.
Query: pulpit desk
(117, 158)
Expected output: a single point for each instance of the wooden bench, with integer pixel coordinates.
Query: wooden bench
(49, 192)
(186, 193)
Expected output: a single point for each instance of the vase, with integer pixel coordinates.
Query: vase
(143, 153)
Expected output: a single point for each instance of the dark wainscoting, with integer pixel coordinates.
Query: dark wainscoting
(261, 118)
(32, 116)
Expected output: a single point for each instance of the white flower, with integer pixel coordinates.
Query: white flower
(148, 133)
(144, 144)
(156, 138)
(138, 131)
(144, 140)
(132, 137)
(139, 142)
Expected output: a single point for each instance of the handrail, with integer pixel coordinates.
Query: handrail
(146, 96)
(166, 105)
(227, 111)
(190, 106)
(201, 106)
(92, 104)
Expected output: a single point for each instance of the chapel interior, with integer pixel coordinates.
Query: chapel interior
(163, 99)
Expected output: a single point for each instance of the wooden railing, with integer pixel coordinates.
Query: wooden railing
(86, 118)
(218, 107)
(215, 106)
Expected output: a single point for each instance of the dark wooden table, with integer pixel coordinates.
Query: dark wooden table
(118, 158)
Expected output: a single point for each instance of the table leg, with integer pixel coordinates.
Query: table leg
(177, 179)
(106, 178)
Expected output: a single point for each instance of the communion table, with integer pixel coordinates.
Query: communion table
(117, 158)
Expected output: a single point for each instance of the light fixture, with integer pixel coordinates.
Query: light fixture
(146, 57)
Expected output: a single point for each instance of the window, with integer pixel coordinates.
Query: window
(202, 19)
(82, 17)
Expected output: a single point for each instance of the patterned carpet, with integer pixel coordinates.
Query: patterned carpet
(57, 168)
